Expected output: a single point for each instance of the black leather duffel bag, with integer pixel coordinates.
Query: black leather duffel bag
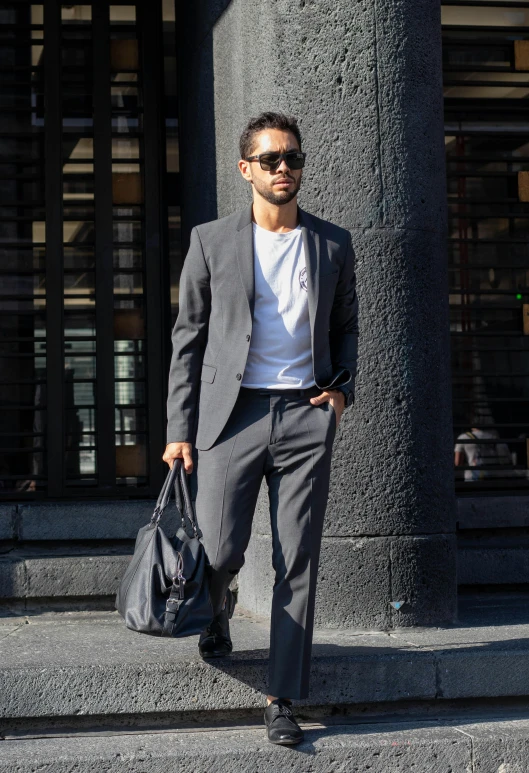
(165, 589)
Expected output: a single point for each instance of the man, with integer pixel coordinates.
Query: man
(264, 363)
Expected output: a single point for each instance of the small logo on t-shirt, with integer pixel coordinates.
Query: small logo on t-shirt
(303, 278)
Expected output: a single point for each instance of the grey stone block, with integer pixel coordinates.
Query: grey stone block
(393, 748)
(410, 107)
(77, 665)
(493, 565)
(7, 522)
(393, 458)
(490, 670)
(30, 575)
(119, 519)
(500, 746)
(423, 575)
(492, 512)
(356, 585)
(353, 581)
(12, 578)
(75, 575)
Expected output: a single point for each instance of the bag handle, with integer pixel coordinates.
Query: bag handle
(165, 493)
(177, 479)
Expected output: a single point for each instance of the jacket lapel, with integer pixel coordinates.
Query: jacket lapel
(311, 244)
(245, 257)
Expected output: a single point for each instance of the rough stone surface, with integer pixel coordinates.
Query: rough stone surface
(353, 581)
(493, 565)
(7, 522)
(410, 105)
(48, 575)
(12, 578)
(198, 19)
(359, 577)
(424, 576)
(492, 512)
(75, 576)
(73, 664)
(84, 520)
(368, 96)
(72, 667)
(494, 669)
(391, 748)
(197, 149)
(499, 747)
(393, 466)
(365, 81)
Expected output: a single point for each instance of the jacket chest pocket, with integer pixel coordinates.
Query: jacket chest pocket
(208, 373)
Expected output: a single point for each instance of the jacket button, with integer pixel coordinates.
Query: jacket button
(247, 337)
(238, 377)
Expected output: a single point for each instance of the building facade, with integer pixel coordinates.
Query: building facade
(119, 132)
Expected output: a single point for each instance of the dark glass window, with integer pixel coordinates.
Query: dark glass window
(486, 87)
(84, 245)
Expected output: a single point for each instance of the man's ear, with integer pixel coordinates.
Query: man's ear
(244, 168)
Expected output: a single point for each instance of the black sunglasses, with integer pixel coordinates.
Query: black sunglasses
(269, 162)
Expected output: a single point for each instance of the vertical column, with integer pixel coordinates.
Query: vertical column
(54, 248)
(103, 232)
(157, 307)
(364, 80)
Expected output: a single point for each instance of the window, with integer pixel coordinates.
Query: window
(486, 86)
(84, 245)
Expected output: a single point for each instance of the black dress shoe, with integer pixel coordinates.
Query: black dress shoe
(280, 723)
(215, 640)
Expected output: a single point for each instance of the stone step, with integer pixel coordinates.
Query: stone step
(492, 512)
(121, 519)
(84, 520)
(90, 664)
(492, 564)
(66, 571)
(77, 571)
(244, 749)
(488, 745)
(79, 551)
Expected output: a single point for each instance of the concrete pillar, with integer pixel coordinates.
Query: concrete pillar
(364, 80)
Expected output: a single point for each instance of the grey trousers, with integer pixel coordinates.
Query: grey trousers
(279, 435)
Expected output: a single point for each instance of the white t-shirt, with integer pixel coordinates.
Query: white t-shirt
(280, 354)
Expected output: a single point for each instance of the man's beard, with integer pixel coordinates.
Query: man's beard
(281, 197)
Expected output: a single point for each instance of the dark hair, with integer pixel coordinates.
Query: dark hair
(267, 121)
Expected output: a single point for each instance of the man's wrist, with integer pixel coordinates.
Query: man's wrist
(348, 395)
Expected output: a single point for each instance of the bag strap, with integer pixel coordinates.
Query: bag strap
(188, 511)
(175, 600)
(165, 493)
(177, 480)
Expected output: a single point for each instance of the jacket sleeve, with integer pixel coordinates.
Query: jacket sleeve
(343, 333)
(189, 339)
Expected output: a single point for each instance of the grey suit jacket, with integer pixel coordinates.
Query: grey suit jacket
(212, 333)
